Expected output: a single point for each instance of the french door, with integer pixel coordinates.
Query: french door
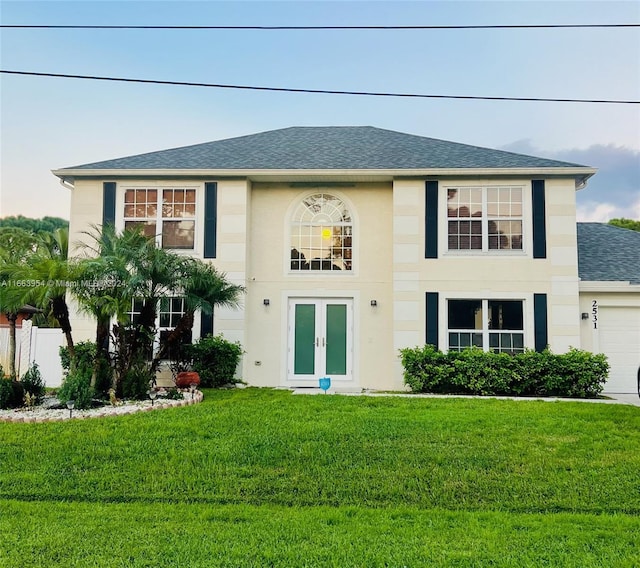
(320, 341)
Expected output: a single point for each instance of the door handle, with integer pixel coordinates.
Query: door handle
(323, 342)
(317, 342)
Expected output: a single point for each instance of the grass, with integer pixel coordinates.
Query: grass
(264, 478)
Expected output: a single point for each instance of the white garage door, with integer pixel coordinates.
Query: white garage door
(620, 342)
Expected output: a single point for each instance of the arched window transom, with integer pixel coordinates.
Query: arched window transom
(321, 234)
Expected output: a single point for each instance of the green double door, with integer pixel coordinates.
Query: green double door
(320, 341)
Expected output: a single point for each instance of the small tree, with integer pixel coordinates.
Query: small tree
(204, 288)
(16, 246)
(133, 267)
(49, 270)
(103, 288)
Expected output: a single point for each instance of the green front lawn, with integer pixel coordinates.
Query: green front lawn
(265, 478)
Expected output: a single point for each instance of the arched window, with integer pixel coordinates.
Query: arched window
(321, 234)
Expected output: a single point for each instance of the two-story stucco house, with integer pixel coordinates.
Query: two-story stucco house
(354, 242)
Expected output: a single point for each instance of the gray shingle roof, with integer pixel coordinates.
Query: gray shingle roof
(608, 253)
(332, 147)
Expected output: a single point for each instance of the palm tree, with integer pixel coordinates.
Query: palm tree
(133, 267)
(16, 246)
(203, 288)
(103, 287)
(52, 272)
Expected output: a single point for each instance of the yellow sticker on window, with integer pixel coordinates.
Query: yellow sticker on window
(326, 233)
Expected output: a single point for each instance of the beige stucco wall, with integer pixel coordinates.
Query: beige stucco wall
(605, 295)
(269, 277)
(232, 254)
(86, 212)
(498, 275)
(389, 267)
(233, 197)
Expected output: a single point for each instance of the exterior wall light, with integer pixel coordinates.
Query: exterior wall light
(585, 316)
(266, 301)
(374, 303)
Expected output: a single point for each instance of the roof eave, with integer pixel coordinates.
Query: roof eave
(608, 286)
(580, 174)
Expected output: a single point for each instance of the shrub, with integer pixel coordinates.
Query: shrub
(426, 369)
(11, 394)
(85, 355)
(174, 394)
(577, 374)
(135, 383)
(580, 373)
(85, 361)
(215, 359)
(477, 372)
(32, 382)
(77, 387)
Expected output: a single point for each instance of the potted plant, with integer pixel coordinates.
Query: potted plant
(182, 370)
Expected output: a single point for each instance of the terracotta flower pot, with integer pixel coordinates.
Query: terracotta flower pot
(187, 378)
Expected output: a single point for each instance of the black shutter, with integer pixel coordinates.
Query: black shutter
(108, 203)
(432, 319)
(431, 220)
(206, 324)
(540, 321)
(539, 226)
(210, 218)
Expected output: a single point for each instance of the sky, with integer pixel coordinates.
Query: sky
(50, 123)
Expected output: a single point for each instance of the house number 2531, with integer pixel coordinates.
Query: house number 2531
(594, 313)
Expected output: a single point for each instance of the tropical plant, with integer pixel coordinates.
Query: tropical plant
(51, 273)
(32, 382)
(76, 386)
(43, 275)
(120, 268)
(16, 246)
(103, 288)
(204, 288)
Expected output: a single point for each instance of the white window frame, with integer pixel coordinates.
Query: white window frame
(195, 330)
(484, 186)
(485, 332)
(293, 208)
(198, 235)
(527, 316)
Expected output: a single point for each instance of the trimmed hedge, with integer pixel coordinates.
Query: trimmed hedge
(576, 374)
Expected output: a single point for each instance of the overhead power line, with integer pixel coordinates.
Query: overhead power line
(314, 91)
(382, 27)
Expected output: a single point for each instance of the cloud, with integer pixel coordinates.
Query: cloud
(613, 191)
(598, 212)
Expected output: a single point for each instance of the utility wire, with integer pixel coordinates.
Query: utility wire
(314, 91)
(386, 27)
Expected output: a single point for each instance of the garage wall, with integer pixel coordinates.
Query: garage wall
(612, 327)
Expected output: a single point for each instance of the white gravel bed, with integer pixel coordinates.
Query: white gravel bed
(44, 412)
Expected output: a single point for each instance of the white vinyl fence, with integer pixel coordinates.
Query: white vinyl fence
(34, 344)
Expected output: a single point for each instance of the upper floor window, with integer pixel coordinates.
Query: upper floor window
(321, 234)
(484, 218)
(169, 215)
